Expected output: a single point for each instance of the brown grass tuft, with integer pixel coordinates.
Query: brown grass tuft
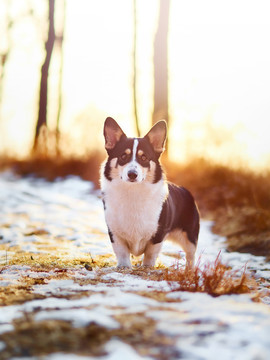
(215, 279)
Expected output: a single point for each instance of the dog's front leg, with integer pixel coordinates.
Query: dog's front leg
(151, 253)
(122, 253)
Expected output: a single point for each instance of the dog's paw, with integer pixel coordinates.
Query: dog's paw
(146, 266)
(123, 266)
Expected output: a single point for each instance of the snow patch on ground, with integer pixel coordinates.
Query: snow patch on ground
(70, 214)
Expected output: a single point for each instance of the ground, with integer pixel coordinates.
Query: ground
(61, 296)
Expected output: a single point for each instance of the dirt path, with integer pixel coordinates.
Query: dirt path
(62, 298)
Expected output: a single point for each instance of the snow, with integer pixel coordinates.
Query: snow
(79, 317)
(71, 216)
(116, 351)
(119, 350)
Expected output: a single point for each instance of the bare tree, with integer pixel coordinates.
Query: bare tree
(60, 40)
(161, 64)
(43, 94)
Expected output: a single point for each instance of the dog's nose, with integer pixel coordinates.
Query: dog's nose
(132, 175)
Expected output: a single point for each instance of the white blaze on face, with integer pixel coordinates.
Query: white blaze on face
(134, 152)
(133, 166)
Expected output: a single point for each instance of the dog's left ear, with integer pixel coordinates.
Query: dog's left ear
(157, 136)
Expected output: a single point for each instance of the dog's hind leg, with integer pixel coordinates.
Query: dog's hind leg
(190, 250)
(181, 238)
(151, 253)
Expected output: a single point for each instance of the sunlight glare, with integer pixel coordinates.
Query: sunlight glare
(219, 71)
(219, 75)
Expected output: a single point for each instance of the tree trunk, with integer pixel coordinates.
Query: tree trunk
(60, 39)
(161, 64)
(43, 94)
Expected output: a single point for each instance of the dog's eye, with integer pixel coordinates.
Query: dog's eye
(124, 156)
(143, 158)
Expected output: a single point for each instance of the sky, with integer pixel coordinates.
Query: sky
(219, 75)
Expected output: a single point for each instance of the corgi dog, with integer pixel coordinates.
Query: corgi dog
(141, 207)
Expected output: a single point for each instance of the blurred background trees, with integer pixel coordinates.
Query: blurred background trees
(43, 92)
(151, 60)
(50, 37)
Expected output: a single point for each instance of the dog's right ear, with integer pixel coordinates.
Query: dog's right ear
(112, 133)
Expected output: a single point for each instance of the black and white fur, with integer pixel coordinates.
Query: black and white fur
(141, 207)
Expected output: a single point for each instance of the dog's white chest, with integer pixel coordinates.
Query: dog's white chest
(132, 211)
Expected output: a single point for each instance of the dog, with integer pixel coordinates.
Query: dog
(141, 207)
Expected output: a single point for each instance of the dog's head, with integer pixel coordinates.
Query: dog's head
(134, 160)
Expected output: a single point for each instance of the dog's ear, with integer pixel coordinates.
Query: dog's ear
(112, 133)
(157, 136)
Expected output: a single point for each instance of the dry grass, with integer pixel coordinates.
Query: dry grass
(217, 186)
(50, 261)
(14, 295)
(53, 158)
(51, 167)
(247, 229)
(214, 279)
